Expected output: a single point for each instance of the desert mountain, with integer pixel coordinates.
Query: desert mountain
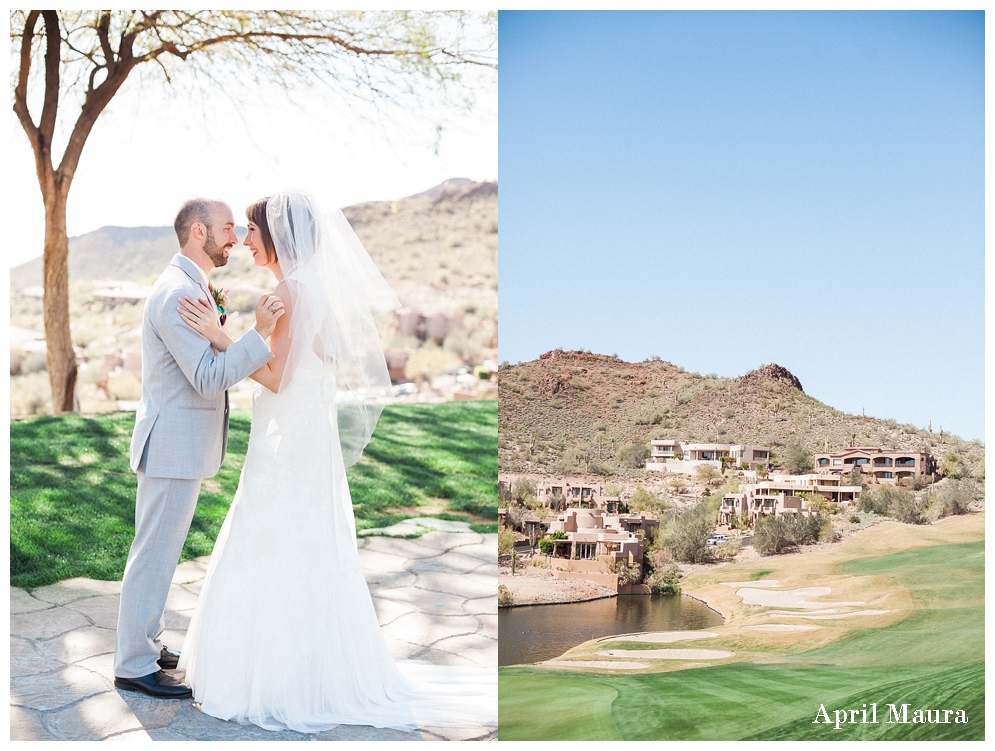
(445, 236)
(570, 404)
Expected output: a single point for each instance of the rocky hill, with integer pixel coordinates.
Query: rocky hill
(568, 409)
(443, 237)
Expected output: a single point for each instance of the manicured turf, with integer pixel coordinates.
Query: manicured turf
(932, 660)
(72, 493)
(566, 709)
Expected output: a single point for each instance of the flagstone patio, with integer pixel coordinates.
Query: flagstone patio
(435, 596)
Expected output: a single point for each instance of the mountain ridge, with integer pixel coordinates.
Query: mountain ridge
(403, 236)
(567, 409)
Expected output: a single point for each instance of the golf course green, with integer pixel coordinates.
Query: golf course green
(932, 658)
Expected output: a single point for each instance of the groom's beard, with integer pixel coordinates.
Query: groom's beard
(214, 251)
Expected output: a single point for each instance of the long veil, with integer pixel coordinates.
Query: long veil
(335, 294)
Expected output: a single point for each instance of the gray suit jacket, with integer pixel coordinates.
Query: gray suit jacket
(183, 415)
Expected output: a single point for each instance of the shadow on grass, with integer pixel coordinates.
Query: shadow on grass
(72, 491)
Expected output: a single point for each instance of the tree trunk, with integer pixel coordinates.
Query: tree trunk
(60, 355)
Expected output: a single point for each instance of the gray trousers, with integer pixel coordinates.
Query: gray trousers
(163, 511)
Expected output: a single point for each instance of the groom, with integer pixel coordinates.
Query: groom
(180, 436)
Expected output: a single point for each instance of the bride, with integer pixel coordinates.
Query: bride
(285, 634)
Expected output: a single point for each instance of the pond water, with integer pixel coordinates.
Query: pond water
(536, 633)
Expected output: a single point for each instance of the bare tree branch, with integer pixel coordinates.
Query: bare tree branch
(53, 42)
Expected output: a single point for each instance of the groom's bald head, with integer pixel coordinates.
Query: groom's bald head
(203, 210)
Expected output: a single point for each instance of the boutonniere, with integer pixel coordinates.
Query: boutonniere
(220, 300)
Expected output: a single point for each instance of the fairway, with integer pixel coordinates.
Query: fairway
(933, 659)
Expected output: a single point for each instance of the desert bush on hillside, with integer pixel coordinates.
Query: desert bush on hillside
(908, 508)
(522, 487)
(728, 550)
(953, 465)
(774, 534)
(601, 469)
(514, 515)
(30, 395)
(797, 459)
(644, 500)
(506, 541)
(707, 473)
(430, 361)
(879, 500)
(124, 385)
(634, 455)
(687, 535)
(771, 535)
(950, 498)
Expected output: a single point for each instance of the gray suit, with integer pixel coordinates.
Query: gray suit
(180, 437)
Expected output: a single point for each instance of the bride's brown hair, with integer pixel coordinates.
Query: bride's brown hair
(256, 213)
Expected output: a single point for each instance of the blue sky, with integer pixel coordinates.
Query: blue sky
(728, 189)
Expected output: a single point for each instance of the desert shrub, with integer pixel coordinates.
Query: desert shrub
(854, 519)
(27, 362)
(634, 455)
(953, 465)
(546, 546)
(514, 515)
(601, 469)
(771, 535)
(727, 550)
(907, 508)
(505, 597)
(665, 580)
(628, 574)
(463, 346)
(950, 498)
(895, 502)
(798, 460)
(124, 386)
(30, 395)
(506, 541)
(430, 361)
(644, 500)
(688, 533)
(522, 487)
(677, 484)
(17, 361)
(707, 473)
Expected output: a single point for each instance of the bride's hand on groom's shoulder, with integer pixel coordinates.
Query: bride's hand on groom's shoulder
(269, 309)
(201, 316)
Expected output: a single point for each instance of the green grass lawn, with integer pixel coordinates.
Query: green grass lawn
(72, 493)
(932, 660)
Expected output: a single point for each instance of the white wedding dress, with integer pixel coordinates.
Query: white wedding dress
(285, 634)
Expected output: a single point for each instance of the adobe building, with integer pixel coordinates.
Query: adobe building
(779, 495)
(879, 464)
(679, 456)
(591, 533)
(569, 492)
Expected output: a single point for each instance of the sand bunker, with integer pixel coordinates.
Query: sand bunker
(828, 617)
(603, 665)
(762, 583)
(668, 654)
(779, 627)
(789, 598)
(663, 637)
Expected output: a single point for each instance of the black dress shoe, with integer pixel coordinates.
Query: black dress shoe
(159, 684)
(168, 660)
